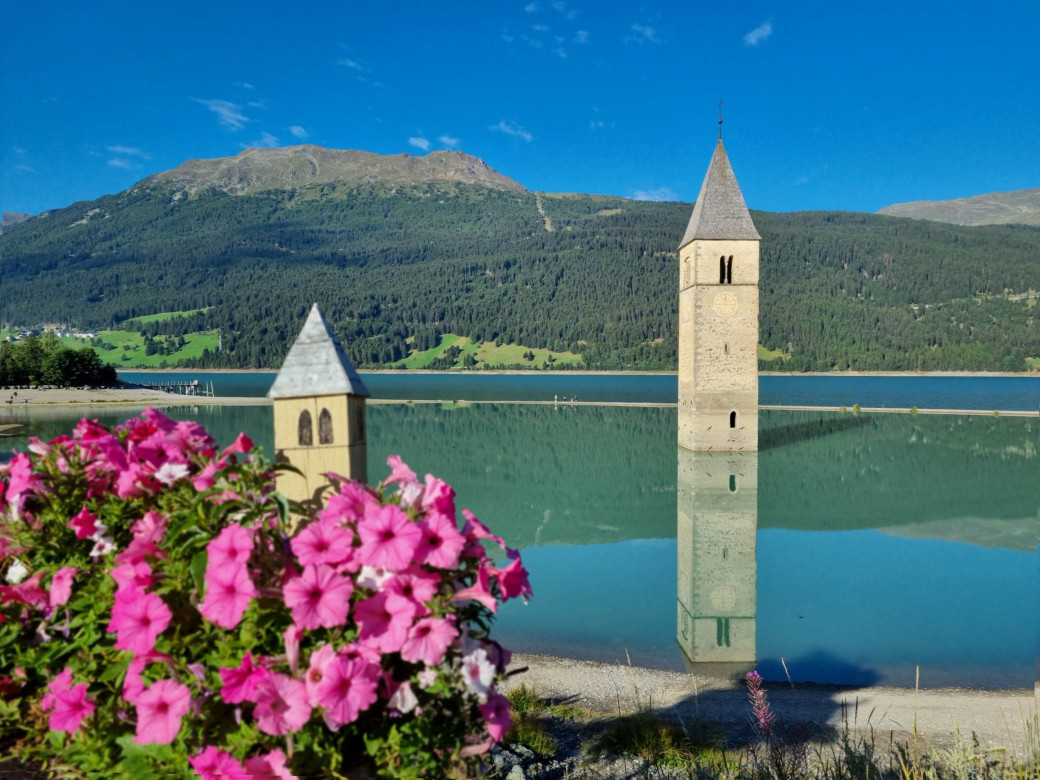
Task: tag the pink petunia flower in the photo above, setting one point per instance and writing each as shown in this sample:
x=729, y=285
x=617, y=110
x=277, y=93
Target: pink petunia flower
x=323, y=542
x=241, y=682
x=241, y=444
x=384, y=620
x=415, y=584
x=71, y=706
x=319, y=662
x=84, y=524
x=388, y=537
x=137, y=620
x=441, y=541
x=159, y=712
x=291, y=637
x=479, y=590
x=399, y=472
x=20, y=479
x=132, y=576
x=348, y=688
x=61, y=585
x=428, y=640
x=230, y=548
x=318, y=597
x=474, y=529
x=229, y=592
x=282, y=705
x=496, y=715
x=438, y=496
x=62, y=682
x=512, y=578
x=133, y=684
x=214, y=764
x=271, y=766
x=205, y=479
x=349, y=504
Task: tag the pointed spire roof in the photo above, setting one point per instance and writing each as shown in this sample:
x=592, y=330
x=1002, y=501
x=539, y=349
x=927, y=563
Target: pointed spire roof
x=720, y=212
x=316, y=365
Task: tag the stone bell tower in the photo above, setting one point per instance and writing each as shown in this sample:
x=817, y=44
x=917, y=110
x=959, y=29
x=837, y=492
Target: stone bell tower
x=718, y=318
x=319, y=412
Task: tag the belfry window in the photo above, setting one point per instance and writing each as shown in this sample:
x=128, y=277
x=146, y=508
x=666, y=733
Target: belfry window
x=325, y=427
x=729, y=270
x=732, y=484
x=722, y=270
x=305, y=429
x=732, y=419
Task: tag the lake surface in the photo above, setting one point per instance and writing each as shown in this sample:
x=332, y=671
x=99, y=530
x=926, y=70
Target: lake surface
x=855, y=548
x=1005, y=393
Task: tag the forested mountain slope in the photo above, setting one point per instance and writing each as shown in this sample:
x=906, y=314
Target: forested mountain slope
x=397, y=262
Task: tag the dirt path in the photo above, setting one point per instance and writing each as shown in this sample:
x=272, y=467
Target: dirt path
x=548, y=222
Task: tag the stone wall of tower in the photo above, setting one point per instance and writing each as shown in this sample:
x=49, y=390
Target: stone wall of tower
x=344, y=453
x=718, y=345
x=717, y=570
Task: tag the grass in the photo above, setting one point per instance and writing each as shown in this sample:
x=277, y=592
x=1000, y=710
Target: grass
x=771, y=354
x=131, y=345
x=487, y=354
x=169, y=315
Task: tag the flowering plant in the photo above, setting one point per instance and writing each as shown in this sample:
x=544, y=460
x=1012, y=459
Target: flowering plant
x=166, y=611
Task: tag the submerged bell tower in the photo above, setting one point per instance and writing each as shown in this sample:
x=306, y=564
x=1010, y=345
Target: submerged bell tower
x=718, y=318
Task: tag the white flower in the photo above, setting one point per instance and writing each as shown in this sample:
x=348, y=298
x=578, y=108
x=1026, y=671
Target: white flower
x=411, y=495
x=373, y=578
x=102, y=546
x=478, y=672
x=403, y=700
x=427, y=677
x=169, y=473
x=16, y=572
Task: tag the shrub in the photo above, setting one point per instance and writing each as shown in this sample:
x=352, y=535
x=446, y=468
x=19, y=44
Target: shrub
x=168, y=613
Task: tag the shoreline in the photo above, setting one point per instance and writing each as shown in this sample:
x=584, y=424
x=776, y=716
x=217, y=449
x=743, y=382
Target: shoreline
x=116, y=396
x=997, y=717
x=569, y=372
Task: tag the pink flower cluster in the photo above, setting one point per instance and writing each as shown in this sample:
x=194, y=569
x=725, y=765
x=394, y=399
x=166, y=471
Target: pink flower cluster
x=376, y=602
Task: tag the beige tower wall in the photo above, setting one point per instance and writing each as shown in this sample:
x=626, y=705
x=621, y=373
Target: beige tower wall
x=718, y=347
x=717, y=568
x=345, y=455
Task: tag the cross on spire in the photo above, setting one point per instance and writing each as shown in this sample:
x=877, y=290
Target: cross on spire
x=720, y=119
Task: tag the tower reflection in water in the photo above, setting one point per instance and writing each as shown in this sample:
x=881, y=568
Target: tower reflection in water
x=717, y=526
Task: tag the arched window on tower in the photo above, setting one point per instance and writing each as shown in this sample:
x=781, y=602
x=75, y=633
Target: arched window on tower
x=732, y=419
x=722, y=270
x=305, y=429
x=325, y=427
x=729, y=270
x=732, y=484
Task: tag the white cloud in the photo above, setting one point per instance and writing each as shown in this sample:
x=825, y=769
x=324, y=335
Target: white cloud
x=228, y=114
x=759, y=34
x=420, y=143
x=643, y=33
x=118, y=162
x=24, y=168
x=298, y=131
x=128, y=151
x=560, y=52
x=242, y=84
x=596, y=124
x=513, y=129
x=531, y=8
x=18, y=150
x=450, y=141
x=661, y=193
x=357, y=65
x=540, y=27
x=582, y=36
x=265, y=141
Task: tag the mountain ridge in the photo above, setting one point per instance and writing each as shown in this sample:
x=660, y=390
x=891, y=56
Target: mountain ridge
x=255, y=170
x=1014, y=207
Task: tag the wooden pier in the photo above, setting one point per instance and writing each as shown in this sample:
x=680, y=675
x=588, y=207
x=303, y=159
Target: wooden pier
x=193, y=388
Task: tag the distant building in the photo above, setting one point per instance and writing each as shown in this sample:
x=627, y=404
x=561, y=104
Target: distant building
x=718, y=318
x=319, y=413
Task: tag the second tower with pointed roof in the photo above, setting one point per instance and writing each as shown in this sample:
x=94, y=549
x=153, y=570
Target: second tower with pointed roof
x=718, y=318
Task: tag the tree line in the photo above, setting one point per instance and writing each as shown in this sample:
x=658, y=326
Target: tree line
x=43, y=360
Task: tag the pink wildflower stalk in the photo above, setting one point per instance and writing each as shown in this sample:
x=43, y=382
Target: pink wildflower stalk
x=762, y=715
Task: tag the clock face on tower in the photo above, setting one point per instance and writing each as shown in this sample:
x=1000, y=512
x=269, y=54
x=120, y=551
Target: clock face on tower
x=725, y=304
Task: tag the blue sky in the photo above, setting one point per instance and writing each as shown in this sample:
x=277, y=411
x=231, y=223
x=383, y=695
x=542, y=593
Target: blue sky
x=827, y=105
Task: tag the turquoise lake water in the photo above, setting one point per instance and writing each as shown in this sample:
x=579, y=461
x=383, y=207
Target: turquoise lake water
x=1008, y=393
x=855, y=548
